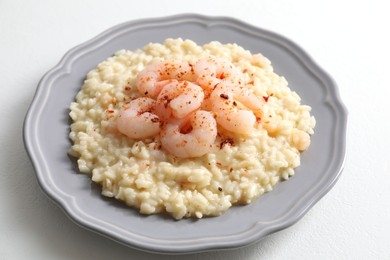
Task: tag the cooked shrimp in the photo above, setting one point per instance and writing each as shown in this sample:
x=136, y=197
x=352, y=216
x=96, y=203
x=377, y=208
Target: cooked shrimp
x=213, y=71
x=218, y=68
x=136, y=121
x=178, y=99
x=147, y=80
x=208, y=83
x=199, y=141
x=229, y=115
x=300, y=139
x=248, y=99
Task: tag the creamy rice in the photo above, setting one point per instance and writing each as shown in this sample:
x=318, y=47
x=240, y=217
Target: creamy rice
x=237, y=170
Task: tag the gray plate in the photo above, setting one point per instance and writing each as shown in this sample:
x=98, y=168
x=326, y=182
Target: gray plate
x=46, y=132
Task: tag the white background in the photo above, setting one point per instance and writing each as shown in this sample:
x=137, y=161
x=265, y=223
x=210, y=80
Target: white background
x=348, y=39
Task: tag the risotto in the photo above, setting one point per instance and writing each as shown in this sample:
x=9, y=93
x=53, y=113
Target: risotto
x=190, y=144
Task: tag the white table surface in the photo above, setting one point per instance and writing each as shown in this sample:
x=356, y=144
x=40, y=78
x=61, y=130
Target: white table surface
x=348, y=39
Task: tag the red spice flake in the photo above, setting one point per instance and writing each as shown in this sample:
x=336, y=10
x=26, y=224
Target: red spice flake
x=185, y=129
x=226, y=142
x=155, y=119
x=110, y=111
x=251, y=82
x=222, y=76
x=127, y=88
x=166, y=100
x=139, y=113
x=146, y=92
x=258, y=119
x=266, y=98
x=192, y=67
x=234, y=103
x=244, y=70
x=219, y=188
x=219, y=164
x=231, y=169
x=224, y=96
x=271, y=94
